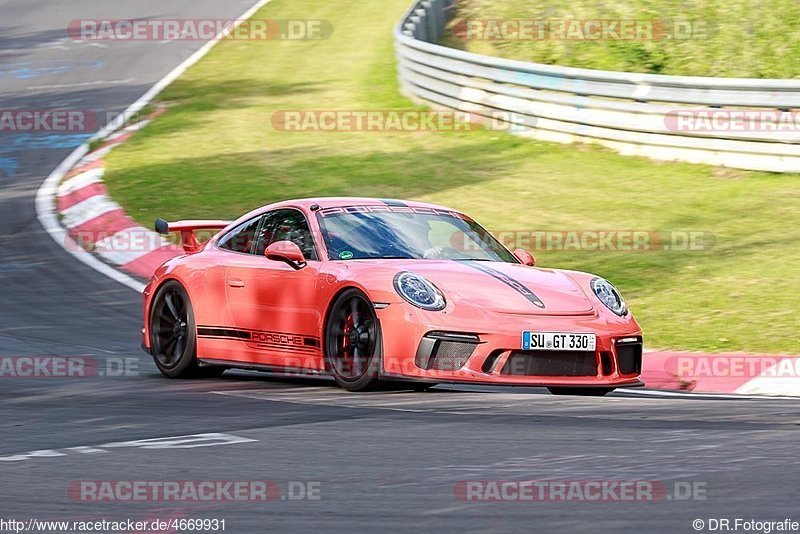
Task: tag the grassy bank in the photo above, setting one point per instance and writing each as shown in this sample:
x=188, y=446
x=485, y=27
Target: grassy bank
x=734, y=38
x=215, y=153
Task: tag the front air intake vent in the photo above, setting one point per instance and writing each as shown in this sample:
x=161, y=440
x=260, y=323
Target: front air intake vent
x=629, y=357
x=445, y=351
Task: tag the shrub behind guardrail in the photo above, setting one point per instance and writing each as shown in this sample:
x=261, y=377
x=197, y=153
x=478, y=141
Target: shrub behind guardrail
x=743, y=123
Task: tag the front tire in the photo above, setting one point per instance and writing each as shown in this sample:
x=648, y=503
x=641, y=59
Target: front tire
x=582, y=392
x=353, y=341
x=173, y=335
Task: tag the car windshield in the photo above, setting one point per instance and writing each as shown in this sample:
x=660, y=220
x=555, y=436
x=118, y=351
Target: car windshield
x=366, y=232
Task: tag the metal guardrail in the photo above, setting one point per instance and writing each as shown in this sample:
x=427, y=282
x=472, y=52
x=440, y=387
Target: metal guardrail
x=635, y=114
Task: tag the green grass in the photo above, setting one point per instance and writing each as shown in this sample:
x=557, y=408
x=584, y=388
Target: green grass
x=734, y=38
x=215, y=154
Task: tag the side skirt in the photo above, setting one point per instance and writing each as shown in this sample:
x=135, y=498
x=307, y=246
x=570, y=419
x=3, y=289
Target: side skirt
x=275, y=369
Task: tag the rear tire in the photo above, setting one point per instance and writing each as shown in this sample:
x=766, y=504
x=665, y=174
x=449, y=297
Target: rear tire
x=173, y=335
x=582, y=392
x=352, y=342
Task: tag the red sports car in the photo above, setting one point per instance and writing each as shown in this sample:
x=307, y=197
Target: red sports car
x=372, y=291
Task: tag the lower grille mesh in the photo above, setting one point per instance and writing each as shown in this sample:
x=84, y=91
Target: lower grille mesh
x=550, y=363
x=450, y=355
x=445, y=351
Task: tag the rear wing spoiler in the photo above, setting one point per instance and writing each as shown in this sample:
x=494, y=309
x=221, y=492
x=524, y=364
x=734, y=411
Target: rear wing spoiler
x=187, y=230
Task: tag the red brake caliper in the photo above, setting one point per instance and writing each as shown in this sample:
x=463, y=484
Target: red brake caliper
x=346, y=340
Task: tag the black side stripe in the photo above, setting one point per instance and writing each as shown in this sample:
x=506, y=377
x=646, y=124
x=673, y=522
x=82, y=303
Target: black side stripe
x=507, y=280
x=223, y=332
x=309, y=343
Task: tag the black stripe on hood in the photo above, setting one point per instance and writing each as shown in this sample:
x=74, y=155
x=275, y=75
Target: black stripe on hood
x=507, y=280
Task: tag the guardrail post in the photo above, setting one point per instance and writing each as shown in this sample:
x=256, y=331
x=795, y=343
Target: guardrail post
x=436, y=18
x=421, y=24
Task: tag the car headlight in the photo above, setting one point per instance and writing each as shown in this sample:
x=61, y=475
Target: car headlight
x=609, y=296
x=419, y=292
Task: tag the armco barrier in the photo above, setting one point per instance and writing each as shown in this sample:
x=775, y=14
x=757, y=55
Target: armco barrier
x=635, y=114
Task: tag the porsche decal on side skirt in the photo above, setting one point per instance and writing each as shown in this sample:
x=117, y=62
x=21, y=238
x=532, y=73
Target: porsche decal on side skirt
x=261, y=338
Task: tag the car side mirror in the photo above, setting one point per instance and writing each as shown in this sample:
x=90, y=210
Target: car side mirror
x=525, y=257
x=287, y=252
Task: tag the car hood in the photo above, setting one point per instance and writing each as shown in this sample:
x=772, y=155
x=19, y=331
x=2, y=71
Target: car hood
x=503, y=287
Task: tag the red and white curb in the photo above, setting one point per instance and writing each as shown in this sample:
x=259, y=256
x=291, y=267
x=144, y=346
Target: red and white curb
x=47, y=210
x=724, y=373
x=97, y=223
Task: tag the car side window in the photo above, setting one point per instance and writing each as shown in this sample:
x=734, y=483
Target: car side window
x=241, y=238
x=287, y=225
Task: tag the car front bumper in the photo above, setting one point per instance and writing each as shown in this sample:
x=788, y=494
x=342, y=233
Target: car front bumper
x=486, y=348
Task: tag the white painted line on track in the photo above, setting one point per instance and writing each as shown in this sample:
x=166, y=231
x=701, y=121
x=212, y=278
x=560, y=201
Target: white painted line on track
x=80, y=84
x=46, y=195
x=459, y=402
x=191, y=441
x=46, y=213
x=704, y=396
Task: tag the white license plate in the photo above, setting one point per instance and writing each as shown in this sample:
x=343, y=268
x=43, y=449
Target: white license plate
x=558, y=341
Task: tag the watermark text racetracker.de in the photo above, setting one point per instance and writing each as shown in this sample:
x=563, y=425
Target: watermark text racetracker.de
x=199, y=29
x=395, y=120
x=194, y=491
x=48, y=121
x=732, y=120
x=733, y=366
x=54, y=121
x=579, y=491
x=570, y=29
x=67, y=367
x=599, y=240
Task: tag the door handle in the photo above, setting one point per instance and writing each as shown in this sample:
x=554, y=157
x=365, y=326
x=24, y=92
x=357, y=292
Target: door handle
x=235, y=282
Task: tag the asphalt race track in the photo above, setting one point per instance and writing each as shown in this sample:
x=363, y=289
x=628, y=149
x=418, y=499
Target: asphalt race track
x=392, y=461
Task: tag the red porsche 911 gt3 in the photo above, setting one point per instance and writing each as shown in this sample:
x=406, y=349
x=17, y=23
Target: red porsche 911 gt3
x=370, y=291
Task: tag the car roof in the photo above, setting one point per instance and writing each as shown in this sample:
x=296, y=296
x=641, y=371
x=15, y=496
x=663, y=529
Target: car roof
x=336, y=202
x=340, y=202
